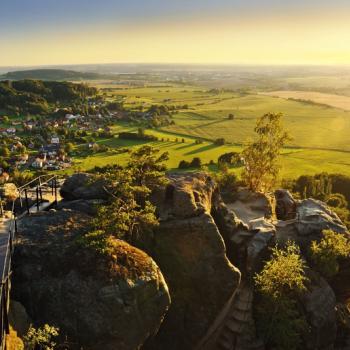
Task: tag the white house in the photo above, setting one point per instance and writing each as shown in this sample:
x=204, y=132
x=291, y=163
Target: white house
x=55, y=140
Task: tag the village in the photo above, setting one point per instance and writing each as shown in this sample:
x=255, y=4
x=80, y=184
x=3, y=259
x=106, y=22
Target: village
x=49, y=144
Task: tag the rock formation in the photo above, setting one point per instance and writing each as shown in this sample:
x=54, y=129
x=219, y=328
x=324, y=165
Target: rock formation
x=208, y=252
x=99, y=303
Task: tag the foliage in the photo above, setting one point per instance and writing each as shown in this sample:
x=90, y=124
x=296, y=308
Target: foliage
x=279, y=320
x=13, y=341
x=326, y=253
x=129, y=214
x=220, y=141
x=35, y=96
x=41, y=338
x=260, y=157
x=282, y=274
x=230, y=158
x=336, y=200
x=228, y=183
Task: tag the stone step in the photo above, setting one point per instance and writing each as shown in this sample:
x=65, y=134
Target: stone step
x=235, y=326
x=242, y=305
x=241, y=316
x=226, y=342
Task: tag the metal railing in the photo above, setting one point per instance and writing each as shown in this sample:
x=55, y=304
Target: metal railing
x=36, y=186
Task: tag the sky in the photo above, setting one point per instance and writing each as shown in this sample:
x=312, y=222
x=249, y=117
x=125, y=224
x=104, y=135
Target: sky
x=51, y=32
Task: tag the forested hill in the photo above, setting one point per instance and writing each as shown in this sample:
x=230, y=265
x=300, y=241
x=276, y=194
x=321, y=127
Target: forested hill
x=51, y=74
x=37, y=97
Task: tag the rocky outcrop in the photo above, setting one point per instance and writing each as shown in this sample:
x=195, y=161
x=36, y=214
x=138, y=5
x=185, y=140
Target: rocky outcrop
x=285, y=205
x=319, y=303
x=97, y=301
x=191, y=254
x=83, y=186
x=314, y=216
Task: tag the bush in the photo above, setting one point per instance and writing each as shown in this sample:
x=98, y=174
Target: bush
x=326, y=253
x=41, y=338
x=278, y=317
x=184, y=164
x=336, y=200
x=196, y=163
x=219, y=141
x=228, y=184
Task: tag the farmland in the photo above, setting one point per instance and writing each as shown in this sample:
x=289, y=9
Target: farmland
x=319, y=133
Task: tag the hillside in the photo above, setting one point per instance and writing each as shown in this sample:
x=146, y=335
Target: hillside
x=52, y=74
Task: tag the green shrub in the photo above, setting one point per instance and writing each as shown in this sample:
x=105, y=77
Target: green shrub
x=326, y=253
x=41, y=338
x=279, y=319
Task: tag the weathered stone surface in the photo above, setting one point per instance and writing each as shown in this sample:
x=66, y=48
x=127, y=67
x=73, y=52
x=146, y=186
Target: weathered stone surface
x=191, y=254
x=285, y=205
x=18, y=318
x=319, y=303
x=85, y=206
x=314, y=216
x=82, y=186
x=186, y=196
x=250, y=205
x=99, y=302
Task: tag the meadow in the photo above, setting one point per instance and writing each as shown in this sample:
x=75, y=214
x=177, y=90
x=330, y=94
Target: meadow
x=320, y=133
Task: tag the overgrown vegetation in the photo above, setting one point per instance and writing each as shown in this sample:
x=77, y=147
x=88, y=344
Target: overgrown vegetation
x=326, y=253
x=35, y=96
x=129, y=213
x=41, y=338
x=279, y=319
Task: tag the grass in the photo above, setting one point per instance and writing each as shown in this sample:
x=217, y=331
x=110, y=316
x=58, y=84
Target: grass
x=320, y=134
x=294, y=161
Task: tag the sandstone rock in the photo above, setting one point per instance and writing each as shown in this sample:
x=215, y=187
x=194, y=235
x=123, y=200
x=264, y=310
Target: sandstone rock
x=314, y=216
x=18, y=318
x=85, y=206
x=285, y=205
x=99, y=302
x=250, y=205
x=82, y=186
x=319, y=303
x=190, y=251
x=186, y=196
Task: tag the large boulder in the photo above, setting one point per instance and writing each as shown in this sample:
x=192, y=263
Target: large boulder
x=191, y=253
x=314, y=216
x=83, y=186
x=113, y=301
x=319, y=305
x=285, y=205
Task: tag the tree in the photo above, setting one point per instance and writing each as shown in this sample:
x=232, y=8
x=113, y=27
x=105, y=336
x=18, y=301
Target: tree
x=231, y=116
x=261, y=156
x=196, y=162
x=278, y=317
x=69, y=147
x=147, y=167
x=220, y=141
x=129, y=214
x=326, y=253
x=4, y=152
x=184, y=164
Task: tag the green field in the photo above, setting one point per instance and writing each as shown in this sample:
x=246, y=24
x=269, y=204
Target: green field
x=320, y=134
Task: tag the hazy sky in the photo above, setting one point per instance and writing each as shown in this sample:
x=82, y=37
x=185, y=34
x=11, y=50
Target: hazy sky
x=38, y=32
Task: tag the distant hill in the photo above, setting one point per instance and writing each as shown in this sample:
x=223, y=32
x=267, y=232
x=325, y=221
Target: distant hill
x=52, y=74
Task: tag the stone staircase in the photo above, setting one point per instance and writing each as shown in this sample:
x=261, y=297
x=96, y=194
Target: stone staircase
x=238, y=332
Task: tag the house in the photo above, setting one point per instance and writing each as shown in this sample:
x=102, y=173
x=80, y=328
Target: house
x=11, y=130
x=55, y=140
x=38, y=163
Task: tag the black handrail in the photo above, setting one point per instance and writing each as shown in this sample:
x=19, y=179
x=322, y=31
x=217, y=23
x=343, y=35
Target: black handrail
x=12, y=231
